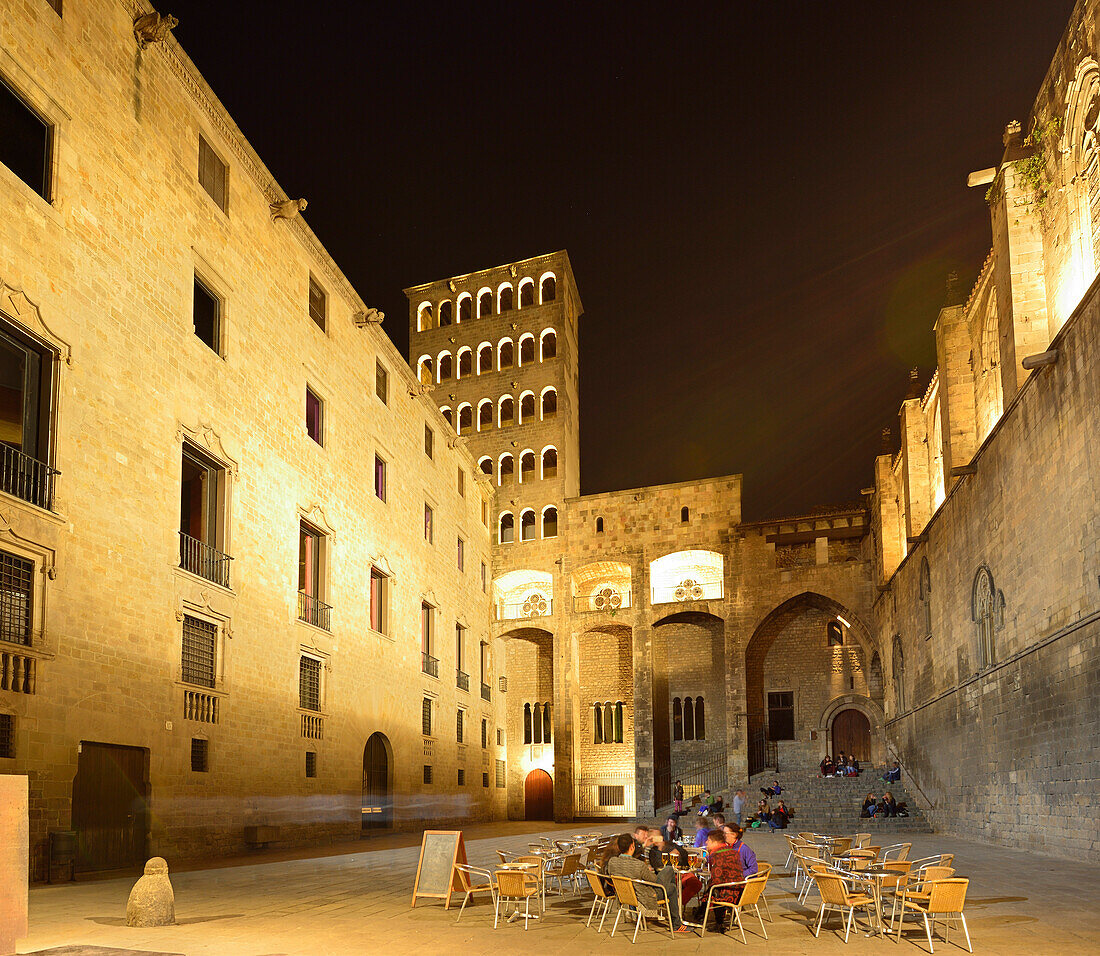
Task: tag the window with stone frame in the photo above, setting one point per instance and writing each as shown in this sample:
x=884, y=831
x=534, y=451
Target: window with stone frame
x=206, y=315
x=311, y=763
x=200, y=755
x=26, y=147
x=318, y=304
x=925, y=595
x=213, y=175
x=381, y=382
x=781, y=715
x=985, y=611
x=309, y=683
x=16, y=597
x=200, y=650
x=500, y=774
x=898, y=665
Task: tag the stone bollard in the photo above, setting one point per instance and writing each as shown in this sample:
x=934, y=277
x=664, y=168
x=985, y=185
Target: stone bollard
x=152, y=902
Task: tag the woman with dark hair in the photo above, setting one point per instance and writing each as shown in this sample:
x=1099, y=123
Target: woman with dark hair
x=827, y=766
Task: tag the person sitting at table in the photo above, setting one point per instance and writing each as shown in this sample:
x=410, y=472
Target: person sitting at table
x=893, y=775
x=717, y=821
x=671, y=831
x=780, y=817
x=870, y=806
x=702, y=828
x=734, y=836
x=658, y=846
x=725, y=867
x=629, y=865
x=889, y=806
x=828, y=768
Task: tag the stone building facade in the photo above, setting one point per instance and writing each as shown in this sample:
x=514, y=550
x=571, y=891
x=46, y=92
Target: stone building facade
x=211, y=597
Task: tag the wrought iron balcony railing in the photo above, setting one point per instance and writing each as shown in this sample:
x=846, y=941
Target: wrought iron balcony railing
x=428, y=664
x=26, y=477
x=688, y=591
x=608, y=600
x=314, y=611
x=200, y=558
x=462, y=680
x=535, y=606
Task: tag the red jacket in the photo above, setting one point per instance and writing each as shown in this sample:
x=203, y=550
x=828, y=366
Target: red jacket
x=725, y=867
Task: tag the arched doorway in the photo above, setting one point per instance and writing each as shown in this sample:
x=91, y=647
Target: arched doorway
x=377, y=790
x=538, y=796
x=852, y=734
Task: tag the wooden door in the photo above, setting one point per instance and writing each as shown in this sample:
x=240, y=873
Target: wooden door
x=852, y=734
x=377, y=798
x=538, y=796
x=110, y=806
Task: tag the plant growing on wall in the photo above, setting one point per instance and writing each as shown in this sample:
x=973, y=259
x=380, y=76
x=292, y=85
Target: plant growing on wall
x=1031, y=171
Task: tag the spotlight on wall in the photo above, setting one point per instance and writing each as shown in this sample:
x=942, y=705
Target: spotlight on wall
x=842, y=621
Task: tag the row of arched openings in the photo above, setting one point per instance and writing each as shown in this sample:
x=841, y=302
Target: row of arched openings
x=607, y=722
x=536, y=723
x=462, y=309
x=502, y=413
x=527, y=525
x=461, y=364
x=688, y=719
x=531, y=466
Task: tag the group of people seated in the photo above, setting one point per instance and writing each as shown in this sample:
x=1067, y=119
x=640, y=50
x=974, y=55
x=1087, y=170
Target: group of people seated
x=886, y=807
x=641, y=856
x=842, y=766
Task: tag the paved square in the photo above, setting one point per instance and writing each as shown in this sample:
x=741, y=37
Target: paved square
x=357, y=901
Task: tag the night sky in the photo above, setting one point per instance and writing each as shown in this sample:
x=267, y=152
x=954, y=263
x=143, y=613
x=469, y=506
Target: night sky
x=761, y=201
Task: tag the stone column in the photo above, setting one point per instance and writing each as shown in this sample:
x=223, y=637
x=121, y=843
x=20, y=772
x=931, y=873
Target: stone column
x=642, y=645
x=565, y=717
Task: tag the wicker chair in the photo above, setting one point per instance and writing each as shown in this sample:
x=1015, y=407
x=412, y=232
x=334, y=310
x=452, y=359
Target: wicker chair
x=475, y=879
x=915, y=888
x=626, y=890
x=793, y=842
x=752, y=893
x=895, y=852
x=835, y=896
x=601, y=900
x=565, y=870
x=946, y=899
x=516, y=886
x=861, y=838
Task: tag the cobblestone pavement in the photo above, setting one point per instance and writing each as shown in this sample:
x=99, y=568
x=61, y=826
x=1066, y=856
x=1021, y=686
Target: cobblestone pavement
x=356, y=900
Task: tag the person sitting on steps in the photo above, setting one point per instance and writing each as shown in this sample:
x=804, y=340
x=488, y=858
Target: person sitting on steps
x=893, y=775
x=870, y=806
x=889, y=806
x=780, y=817
x=773, y=791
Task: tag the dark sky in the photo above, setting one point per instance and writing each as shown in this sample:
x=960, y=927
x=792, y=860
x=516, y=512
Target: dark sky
x=761, y=201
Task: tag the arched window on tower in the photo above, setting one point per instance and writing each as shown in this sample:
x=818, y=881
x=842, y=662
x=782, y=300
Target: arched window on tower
x=504, y=297
x=485, y=414
x=526, y=407
x=527, y=525
x=507, y=412
x=548, y=289
x=484, y=303
x=677, y=719
x=597, y=724
x=465, y=418
x=834, y=634
x=526, y=349
x=425, y=370
x=484, y=358
x=689, y=719
x=536, y=724
x=619, y=722
x=608, y=722
x=507, y=468
x=684, y=515
x=506, y=354
x=546, y=723
x=549, y=522
x=465, y=307
x=549, y=344
x=549, y=402
x=549, y=462
x=486, y=465
x=700, y=725
x=527, y=730
x=465, y=362
x=446, y=366
x=526, y=293
x=507, y=528
x=449, y=415
x=599, y=526
x=446, y=313
x=899, y=677
x=425, y=318
x=926, y=596
x=527, y=466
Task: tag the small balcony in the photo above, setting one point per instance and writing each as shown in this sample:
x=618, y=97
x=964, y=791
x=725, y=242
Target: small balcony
x=462, y=680
x=608, y=600
x=535, y=606
x=200, y=558
x=485, y=695
x=429, y=665
x=26, y=477
x=314, y=611
x=688, y=590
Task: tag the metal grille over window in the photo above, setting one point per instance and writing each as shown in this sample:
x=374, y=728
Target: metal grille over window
x=16, y=581
x=426, y=717
x=7, y=736
x=200, y=755
x=500, y=774
x=199, y=651
x=309, y=683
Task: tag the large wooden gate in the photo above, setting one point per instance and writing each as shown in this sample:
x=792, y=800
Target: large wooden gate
x=110, y=806
x=852, y=734
x=377, y=795
x=538, y=796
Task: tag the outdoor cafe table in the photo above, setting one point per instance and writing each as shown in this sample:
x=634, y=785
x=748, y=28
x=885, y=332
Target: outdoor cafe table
x=536, y=871
x=873, y=875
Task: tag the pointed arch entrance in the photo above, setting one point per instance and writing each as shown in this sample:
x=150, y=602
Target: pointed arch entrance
x=377, y=783
x=538, y=796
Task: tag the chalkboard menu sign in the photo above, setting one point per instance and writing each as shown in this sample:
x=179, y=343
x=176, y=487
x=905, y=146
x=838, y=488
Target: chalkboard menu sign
x=436, y=876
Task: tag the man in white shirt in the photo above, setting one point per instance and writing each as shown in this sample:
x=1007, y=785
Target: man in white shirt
x=738, y=805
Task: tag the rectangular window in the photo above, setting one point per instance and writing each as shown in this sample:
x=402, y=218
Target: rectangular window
x=16, y=592
x=378, y=588
x=484, y=732
x=460, y=727
x=500, y=774
x=484, y=578
x=485, y=512
x=202, y=506
x=200, y=643
x=460, y=647
x=7, y=736
x=429, y=441
x=461, y=555
x=311, y=763
x=610, y=796
x=461, y=777
x=213, y=175
x=207, y=315
x=485, y=779
x=427, y=629
x=318, y=304
x=426, y=717
x=781, y=715
x=382, y=382
x=427, y=773
x=315, y=416
x=200, y=755
x=500, y=737
x=379, y=478
x=26, y=389
x=25, y=146
x=428, y=515
x=309, y=683
x=461, y=483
